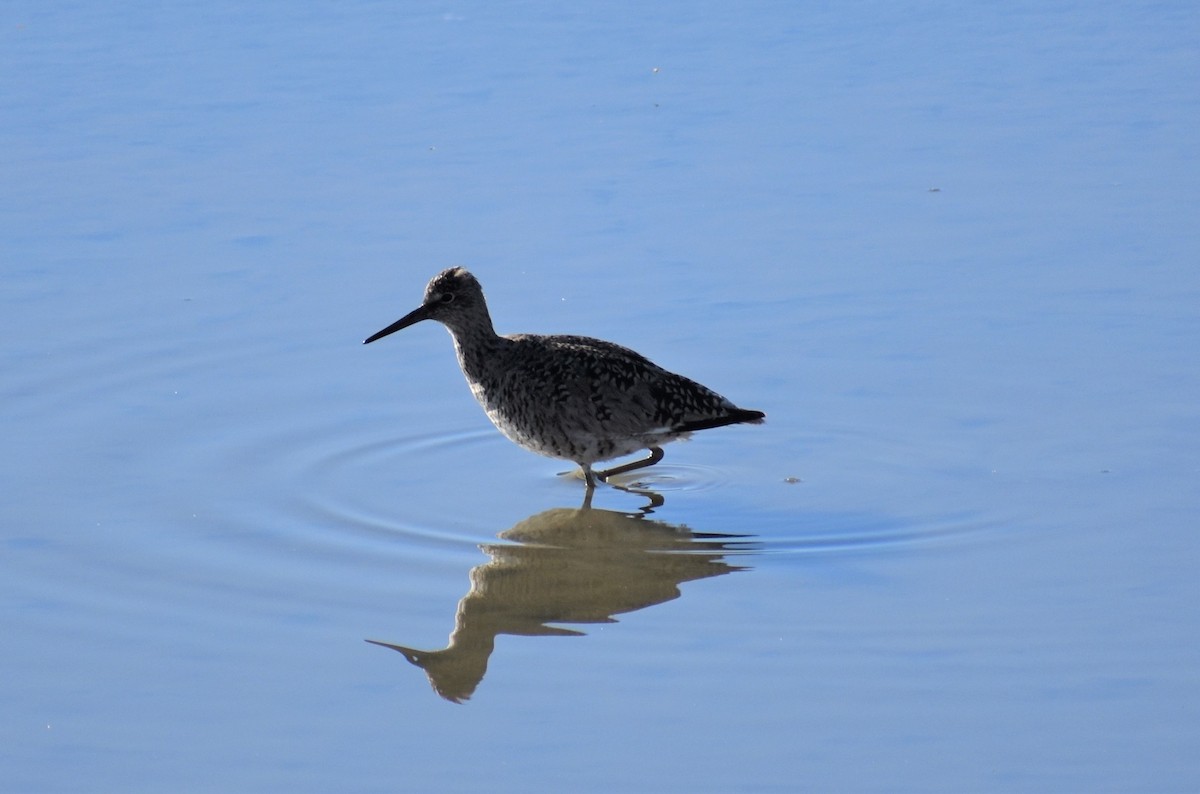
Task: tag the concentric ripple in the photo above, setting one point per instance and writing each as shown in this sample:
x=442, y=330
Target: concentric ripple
x=672, y=477
x=368, y=484
x=412, y=493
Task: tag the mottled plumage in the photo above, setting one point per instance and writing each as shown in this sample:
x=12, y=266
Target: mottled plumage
x=570, y=397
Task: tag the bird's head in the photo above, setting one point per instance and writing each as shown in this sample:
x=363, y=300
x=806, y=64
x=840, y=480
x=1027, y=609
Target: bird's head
x=452, y=297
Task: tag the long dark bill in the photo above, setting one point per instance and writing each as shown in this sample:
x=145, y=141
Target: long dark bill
x=413, y=317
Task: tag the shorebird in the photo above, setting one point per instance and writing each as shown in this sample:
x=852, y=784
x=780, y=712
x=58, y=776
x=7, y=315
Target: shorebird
x=568, y=397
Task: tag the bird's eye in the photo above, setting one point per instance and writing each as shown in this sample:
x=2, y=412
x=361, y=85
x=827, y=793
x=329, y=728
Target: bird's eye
x=448, y=297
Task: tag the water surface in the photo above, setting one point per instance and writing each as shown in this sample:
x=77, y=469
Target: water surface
x=951, y=254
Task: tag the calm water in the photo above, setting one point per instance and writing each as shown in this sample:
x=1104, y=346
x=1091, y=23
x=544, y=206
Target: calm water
x=952, y=254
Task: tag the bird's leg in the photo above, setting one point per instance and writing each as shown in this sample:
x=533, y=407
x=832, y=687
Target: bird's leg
x=589, y=477
x=656, y=454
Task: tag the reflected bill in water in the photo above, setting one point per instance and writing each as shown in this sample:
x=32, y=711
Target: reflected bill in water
x=568, y=566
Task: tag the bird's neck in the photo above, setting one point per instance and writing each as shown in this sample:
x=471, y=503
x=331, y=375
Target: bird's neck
x=475, y=345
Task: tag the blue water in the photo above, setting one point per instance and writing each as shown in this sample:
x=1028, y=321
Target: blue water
x=952, y=253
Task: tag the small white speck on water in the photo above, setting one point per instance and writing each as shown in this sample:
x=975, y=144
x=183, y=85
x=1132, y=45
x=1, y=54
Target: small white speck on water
x=792, y=480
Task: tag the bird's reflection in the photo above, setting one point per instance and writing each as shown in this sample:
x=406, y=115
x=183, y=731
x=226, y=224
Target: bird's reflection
x=567, y=566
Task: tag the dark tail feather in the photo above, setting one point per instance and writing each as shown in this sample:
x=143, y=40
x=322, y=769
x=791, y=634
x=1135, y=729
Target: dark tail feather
x=734, y=417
